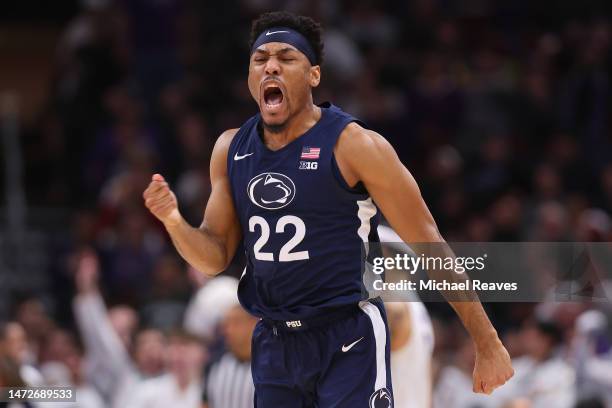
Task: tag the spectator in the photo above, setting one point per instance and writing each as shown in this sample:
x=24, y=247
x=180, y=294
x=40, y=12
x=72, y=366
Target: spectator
x=10, y=377
x=181, y=387
x=411, y=353
x=33, y=317
x=14, y=345
x=542, y=376
x=228, y=380
x=107, y=338
x=148, y=360
x=454, y=385
x=593, y=367
x=412, y=338
x=65, y=368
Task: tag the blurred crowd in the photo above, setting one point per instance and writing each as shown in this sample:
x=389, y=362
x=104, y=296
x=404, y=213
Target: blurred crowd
x=501, y=110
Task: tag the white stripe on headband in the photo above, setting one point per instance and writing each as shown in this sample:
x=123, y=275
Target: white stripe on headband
x=289, y=36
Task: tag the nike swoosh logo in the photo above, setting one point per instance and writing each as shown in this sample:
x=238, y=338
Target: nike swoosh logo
x=238, y=157
x=275, y=32
x=350, y=346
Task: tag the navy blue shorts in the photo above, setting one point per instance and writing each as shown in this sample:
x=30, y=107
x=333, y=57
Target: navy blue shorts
x=341, y=364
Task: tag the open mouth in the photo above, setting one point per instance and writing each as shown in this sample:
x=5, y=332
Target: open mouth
x=273, y=96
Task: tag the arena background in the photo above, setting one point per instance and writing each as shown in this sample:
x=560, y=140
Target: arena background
x=501, y=110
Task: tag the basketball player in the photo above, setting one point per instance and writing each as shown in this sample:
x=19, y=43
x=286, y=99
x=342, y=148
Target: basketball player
x=297, y=183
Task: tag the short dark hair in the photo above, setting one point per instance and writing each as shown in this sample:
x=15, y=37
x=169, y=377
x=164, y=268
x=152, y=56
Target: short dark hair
x=310, y=29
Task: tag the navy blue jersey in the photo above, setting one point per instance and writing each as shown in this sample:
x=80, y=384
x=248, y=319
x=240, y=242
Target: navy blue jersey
x=303, y=226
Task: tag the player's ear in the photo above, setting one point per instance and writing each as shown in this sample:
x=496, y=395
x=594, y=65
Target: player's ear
x=315, y=75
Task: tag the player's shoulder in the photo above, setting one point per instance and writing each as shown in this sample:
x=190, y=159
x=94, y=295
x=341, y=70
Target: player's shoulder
x=225, y=138
x=224, y=141
x=221, y=150
x=355, y=141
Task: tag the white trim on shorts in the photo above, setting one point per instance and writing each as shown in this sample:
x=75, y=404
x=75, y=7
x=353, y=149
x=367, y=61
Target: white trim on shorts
x=380, y=335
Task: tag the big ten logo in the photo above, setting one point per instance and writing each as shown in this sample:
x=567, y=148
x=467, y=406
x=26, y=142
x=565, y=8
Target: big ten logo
x=308, y=165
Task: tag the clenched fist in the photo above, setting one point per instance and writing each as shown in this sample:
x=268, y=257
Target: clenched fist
x=161, y=201
x=493, y=367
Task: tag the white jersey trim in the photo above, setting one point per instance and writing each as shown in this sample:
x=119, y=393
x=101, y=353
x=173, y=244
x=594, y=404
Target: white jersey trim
x=366, y=211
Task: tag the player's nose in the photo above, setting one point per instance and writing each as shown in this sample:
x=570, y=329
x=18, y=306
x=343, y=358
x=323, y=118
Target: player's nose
x=272, y=67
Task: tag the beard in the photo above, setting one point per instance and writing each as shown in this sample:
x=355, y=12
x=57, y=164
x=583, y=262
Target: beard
x=276, y=128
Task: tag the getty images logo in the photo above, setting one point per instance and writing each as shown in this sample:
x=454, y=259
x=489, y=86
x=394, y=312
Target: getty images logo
x=271, y=190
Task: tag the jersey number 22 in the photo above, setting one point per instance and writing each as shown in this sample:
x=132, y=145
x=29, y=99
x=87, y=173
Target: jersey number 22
x=285, y=254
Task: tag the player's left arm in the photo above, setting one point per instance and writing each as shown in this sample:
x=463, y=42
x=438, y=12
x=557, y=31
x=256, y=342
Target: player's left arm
x=365, y=156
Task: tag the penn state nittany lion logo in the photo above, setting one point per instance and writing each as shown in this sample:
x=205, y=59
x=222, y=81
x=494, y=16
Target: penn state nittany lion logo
x=381, y=399
x=271, y=190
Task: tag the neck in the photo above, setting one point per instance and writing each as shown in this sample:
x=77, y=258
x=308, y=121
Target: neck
x=295, y=127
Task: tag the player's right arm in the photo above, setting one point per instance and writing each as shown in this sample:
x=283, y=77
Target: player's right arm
x=210, y=247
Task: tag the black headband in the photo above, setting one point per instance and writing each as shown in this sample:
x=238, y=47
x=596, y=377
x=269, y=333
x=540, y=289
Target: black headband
x=289, y=36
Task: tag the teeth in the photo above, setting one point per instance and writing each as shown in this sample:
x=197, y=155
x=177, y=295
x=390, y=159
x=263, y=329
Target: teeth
x=267, y=93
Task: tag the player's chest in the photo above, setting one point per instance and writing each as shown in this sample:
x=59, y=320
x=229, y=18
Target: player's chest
x=290, y=181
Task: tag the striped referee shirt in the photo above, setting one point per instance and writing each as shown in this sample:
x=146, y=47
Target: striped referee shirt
x=229, y=383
